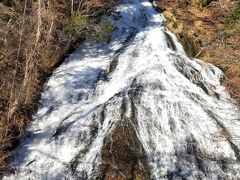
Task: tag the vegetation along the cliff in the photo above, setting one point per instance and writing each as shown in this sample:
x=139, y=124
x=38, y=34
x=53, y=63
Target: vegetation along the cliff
x=35, y=36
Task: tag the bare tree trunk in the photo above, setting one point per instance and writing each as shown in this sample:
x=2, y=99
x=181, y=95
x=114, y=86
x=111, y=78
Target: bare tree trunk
x=13, y=105
x=71, y=7
x=39, y=21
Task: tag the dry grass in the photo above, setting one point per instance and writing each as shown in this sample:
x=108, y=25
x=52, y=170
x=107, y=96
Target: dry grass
x=33, y=42
x=227, y=57
x=232, y=72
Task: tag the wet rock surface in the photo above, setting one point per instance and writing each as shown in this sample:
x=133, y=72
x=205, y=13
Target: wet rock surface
x=123, y=157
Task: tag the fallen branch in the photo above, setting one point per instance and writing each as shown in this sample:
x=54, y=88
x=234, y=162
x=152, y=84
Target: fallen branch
x=199, y=53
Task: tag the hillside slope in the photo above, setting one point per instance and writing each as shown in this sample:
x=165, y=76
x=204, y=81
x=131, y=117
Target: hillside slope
x=35, y=37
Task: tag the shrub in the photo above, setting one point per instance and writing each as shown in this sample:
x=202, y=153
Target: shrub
x=77, y=23
x=103, y=31
x=233, y=16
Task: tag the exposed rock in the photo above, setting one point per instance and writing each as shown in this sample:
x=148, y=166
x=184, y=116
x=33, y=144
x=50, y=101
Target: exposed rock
x=188, y=45
x=170, y=42
x=113, y=64
x=123, y=157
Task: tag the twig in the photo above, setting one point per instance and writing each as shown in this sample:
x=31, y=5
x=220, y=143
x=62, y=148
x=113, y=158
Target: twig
x=199, y=53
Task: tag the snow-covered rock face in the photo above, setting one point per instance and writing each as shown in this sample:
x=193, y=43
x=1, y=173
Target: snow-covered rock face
x=181, y=115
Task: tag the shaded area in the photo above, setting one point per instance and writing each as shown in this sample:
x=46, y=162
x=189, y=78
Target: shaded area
x=123, y=157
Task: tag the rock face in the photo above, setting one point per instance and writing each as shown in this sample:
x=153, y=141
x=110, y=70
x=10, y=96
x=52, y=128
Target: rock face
x=123, y=156
x=137, y=108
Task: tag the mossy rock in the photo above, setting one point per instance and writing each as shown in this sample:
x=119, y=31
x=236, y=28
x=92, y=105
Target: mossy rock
x=188, y=45
x=170, y=42
x=113, y=64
